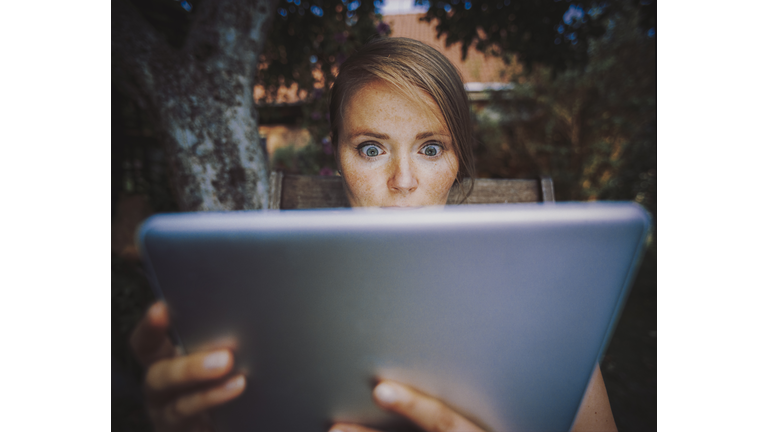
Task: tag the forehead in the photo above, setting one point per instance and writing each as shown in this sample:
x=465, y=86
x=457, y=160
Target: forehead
x=380, y=104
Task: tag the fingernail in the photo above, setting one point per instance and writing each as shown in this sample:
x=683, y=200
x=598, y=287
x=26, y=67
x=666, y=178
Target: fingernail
x=235, y=383
x=385, y=394
x=216, y=360
x=156, y=310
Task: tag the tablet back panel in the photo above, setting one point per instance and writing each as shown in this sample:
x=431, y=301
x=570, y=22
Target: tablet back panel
x=502, y=311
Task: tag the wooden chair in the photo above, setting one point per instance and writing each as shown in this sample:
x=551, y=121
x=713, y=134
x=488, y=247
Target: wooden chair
x=287, y=191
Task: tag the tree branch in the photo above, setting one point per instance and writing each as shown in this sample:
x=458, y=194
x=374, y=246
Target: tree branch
x=201, y=99
x=227, y=35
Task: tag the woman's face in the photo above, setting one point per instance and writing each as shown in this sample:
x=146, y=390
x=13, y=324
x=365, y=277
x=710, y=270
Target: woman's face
x=392, y=153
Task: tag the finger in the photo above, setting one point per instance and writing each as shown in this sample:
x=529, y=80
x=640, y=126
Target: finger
x=149, y=339
x=180, y=372
x=194, y=404
x=427, y=412
x=345, y=427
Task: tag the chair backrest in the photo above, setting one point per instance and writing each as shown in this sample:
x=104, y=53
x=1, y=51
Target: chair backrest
x=301, y=191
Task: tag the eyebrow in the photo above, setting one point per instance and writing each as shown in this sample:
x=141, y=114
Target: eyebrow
x=420, y=136
x=371, y=134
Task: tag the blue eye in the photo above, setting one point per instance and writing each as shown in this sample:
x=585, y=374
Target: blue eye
x=431, y=150
x=370, y=150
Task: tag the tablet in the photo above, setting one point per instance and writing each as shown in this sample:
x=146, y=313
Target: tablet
x=502, y=311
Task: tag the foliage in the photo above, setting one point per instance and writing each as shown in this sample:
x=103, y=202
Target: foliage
x=138, y=159
x=169, y=17
x=593, y=129
x=308, y=41
x=131, y=296
x=309, y=159
x=553, y=33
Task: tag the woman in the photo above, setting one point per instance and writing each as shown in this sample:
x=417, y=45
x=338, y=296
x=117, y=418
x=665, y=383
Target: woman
x=400, y=129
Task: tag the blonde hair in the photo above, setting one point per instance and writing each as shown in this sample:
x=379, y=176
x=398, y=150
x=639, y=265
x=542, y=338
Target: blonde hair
x=412, y=68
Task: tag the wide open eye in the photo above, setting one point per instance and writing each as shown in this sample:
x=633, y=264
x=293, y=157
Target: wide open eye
x=370, y=150
x=431, y=150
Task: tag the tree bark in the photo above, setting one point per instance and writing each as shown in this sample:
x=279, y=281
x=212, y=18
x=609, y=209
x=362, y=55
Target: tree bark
x=201, y=98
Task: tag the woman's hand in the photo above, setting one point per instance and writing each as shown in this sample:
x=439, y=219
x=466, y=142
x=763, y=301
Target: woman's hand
x=179, y=389
x=433, y=415
x=425, y=411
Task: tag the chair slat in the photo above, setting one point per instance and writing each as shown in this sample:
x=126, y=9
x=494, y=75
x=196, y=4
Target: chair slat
x=497, y=191
x=301, y=192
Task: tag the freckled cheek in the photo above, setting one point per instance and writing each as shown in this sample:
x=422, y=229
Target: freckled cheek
x=356, y=181
x=442, y=185
x=362, y=184
x=443, y=178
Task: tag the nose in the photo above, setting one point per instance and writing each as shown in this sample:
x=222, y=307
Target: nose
x=402, y=178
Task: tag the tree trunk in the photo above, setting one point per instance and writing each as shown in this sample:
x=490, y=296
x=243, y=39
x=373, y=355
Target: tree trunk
x=201, y=98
